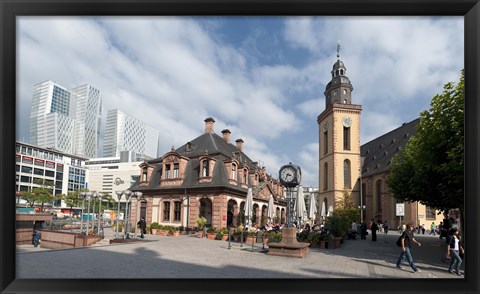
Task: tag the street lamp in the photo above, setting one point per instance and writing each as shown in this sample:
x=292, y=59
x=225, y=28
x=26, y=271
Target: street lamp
x=100, y=195
x=119, y=197
x=137, y=196
x=127, y=194
x=89, y=197
x=362, y=207
x=94, y=196
x=82, y=196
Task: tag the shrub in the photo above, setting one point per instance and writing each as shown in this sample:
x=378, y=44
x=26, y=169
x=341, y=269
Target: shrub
x=223, y=231
x=338, y=225
x=201, y=221
x=211, y=230
x=154, y=225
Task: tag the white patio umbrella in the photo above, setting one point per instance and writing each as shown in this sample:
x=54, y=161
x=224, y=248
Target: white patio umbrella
x=323, y=212
x=300, y=205
x=312, y=208
x=248, y=207
x=270, y=209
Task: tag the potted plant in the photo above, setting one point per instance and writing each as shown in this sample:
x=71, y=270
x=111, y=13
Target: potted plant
x=338, y=227
x=154, y=227
x=251, y=236
x=274, y=237
x=173, y=231
x=224, y=234
x=163, y=230
x=147, y=228
x=266, y=237
x=211, y=233
x=237, y=233
x=201, y=221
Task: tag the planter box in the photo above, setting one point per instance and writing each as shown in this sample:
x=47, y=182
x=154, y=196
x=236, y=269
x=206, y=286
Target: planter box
x=154, y=231
x=225, y=237
x=211, y=236
x=174, y=234
x=200, y=234
x=162, y=233
x=250, y=239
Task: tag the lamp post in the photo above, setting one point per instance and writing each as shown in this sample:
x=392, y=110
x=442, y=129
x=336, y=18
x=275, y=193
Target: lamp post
x=362, y=207
x=137, y=196
x=94, y=196
x=100, y=195
x=82, y=196
x=127, y=194
x=89, y=197
x=119, y=197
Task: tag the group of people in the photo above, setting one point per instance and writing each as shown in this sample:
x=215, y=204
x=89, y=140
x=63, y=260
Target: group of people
x=455, y=250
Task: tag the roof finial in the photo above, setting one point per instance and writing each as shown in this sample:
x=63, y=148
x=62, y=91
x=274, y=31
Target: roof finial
x=338, y=48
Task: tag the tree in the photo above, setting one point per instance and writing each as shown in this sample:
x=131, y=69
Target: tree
x=42, y=195
x=346, y=208
x=430, y=168
x=29, y=197
x=72, y=199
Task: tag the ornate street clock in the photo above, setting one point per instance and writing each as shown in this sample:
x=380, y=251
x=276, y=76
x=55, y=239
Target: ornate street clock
x=290, y=175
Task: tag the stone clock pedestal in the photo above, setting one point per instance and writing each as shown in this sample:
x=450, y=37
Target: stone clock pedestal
x=289, y=246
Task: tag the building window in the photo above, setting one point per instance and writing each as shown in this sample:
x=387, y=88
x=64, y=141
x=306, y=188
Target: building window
x=177, y=211
x=167, y=171
x=234, y=171
x=378, y=191
x=175, y=170
x=245, y=172
x=166, y=211
x=430, y=213
x=144, y=175
x=346, y=138
x=325, y=142
x=26, y=169
x=346, y=174
x=38, y=171
x=205, y=168
x=325, y=176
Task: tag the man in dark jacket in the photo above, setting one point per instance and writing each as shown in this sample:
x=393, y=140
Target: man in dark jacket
x=407, y=239
x=142, y=225
x=374, y=228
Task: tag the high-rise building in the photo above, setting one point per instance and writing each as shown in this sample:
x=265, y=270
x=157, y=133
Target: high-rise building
x=68, y=121
x=51, y=121
x=87, y=120
x=126, y=133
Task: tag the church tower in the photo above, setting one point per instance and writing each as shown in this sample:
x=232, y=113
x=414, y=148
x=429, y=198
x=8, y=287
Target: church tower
x=339, y=142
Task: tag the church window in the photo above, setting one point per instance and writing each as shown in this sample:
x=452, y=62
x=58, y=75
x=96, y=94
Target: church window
x=341, y=72
x=346, y=174
x=245, y=176
x=344, y=101
x=325, y=176
x=344, y=92
x=346, y=138
x=378, y=191
x=325, y=142
x=334, y=93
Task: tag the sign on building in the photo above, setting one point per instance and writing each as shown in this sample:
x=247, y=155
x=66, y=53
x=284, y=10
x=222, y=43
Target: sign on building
x=400, y=209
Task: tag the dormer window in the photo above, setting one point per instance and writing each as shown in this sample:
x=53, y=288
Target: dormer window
x=205, y=168
x=245, y=172
x=234, y=171
x=167, y=171
x=144, y=174
x=175, y=170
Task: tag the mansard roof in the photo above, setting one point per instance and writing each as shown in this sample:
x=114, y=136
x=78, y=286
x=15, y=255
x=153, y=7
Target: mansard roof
x=377, y=154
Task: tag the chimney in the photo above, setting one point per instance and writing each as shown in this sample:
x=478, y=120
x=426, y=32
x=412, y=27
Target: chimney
x=209, y=125
x=239, y=144
x=226, y=135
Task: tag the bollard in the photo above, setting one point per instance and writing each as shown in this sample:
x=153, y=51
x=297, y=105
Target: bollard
x=229, y=236
x=253, y=241
x=241, y=239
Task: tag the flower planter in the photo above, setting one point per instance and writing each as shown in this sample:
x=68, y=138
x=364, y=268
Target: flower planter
x=162, y=233
x=174, y=234
x=200, y=234
x=337, y=241
x=211, y=236
x=250, y=239
x=265, y=241
x=225, y=237
x=154, y=231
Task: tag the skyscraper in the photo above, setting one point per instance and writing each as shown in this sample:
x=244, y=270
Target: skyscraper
x=126, y=133
x=68, y=121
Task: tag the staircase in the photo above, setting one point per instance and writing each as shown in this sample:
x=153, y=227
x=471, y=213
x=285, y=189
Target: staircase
x=102, y=242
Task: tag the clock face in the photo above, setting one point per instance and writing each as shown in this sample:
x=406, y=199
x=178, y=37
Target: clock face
x=346, y=121
x=287, y=174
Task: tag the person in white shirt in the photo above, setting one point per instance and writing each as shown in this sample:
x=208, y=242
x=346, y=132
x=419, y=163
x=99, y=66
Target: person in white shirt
x=453, y=250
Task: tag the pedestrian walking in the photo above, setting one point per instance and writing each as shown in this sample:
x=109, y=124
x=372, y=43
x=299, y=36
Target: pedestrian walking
x=432, y=229
x=363, y=231
x=423, y=229
x=407, y=239
x=374, y=229
x=385, y=228
x=36, y=237
x=142, y=225
x=453, y=250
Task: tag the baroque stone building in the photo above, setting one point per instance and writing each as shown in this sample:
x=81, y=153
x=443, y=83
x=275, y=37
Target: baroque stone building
x=208, y=176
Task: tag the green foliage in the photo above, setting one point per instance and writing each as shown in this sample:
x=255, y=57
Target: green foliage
x=302, y=236
x=201, y=221
x=42, y=195
x=211, y=230
x=338, y=224
x=218, y=236
x=172, y=229
x=431, y=167
x=29, y=197
x=223, y=231
x=155, y=225
x=275, y=237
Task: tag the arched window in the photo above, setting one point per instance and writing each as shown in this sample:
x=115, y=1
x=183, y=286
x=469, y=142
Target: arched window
x=325, y=142
x=346, y=138
x=378, y=191
x=205, y=168
x=245, y=173
x=325, y=176
x=346, y=174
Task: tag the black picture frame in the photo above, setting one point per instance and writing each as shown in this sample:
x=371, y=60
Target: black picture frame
x=10, y=9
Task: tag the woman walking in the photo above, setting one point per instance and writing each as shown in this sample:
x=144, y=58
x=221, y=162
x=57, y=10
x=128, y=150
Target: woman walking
x=453, y=250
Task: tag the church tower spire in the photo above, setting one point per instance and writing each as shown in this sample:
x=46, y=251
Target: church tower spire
x=339, y=89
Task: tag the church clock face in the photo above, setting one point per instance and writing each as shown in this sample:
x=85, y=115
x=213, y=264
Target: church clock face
x=346, y=121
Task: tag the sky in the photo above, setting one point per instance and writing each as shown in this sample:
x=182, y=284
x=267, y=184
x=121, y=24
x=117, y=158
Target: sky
x=263, y=78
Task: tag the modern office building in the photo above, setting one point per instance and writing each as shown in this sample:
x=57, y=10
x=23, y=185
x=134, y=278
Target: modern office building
x=126, y=133
x=87, y=116
x=68, y=121
x=60, y=172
